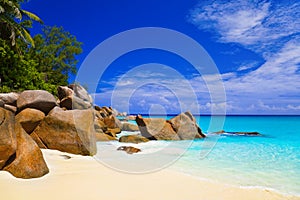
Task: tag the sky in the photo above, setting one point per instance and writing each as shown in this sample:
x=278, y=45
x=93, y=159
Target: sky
x=255, y=47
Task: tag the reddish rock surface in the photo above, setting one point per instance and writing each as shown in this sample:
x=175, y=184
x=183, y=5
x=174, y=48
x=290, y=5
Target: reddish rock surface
x=28, y=161
x=112, y=122
x=156, y=129
x=129, y=127
x=102, y=137
x=38, y=99
x=8, y=144
x=133, y=139
x=181, y=127
x=186, y=126
x=29, y=119
x=70, y=131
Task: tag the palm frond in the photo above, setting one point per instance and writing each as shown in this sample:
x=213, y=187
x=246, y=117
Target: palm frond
x=13, y=37
x=18, y=14
x=32, y=16
x=2, y=10
x=27, y=37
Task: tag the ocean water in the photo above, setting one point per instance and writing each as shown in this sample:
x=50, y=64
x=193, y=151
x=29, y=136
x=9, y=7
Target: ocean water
x=269, y=161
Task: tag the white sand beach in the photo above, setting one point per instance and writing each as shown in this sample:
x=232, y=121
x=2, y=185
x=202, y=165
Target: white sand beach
x=82, y=177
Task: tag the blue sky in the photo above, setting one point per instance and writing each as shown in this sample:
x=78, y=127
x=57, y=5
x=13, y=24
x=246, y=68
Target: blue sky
x=254, y=44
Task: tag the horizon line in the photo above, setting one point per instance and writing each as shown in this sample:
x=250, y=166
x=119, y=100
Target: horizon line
x=143, y=114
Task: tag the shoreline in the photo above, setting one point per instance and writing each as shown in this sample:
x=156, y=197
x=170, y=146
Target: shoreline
x=77, y=177
x=202, y=179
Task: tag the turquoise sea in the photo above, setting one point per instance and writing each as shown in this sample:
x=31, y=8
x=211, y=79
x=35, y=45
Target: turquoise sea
x=270, y=161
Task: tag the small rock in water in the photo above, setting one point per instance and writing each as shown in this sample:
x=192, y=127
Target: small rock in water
x=246, y=133
x=238, y=133
x=128, y=149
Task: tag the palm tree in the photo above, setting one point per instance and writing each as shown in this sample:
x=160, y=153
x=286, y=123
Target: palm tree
x=12, y=24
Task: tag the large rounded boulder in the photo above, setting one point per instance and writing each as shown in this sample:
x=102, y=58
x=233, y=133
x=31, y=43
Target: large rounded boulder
x=186, y=127
x=156, y=129
x=28, y=161
x=29, y=119
x=8, y=144
x=37, y=99
x=129, y=127
x=70, y=131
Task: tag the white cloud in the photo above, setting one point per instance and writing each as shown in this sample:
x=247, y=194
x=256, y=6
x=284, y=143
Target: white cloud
x=254, y=24
x=293, y=107
x=271, y=29
x=228, y=75
x=125, y=83
x=247, y=66
x=268, y=28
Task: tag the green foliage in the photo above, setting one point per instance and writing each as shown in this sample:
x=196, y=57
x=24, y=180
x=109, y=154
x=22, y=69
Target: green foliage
x=42, y=62
x=17, y=72
x=46, y=66
x=56, y=52
x=11, y=21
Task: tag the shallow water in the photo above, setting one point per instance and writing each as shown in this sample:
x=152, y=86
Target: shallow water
x=269, y=161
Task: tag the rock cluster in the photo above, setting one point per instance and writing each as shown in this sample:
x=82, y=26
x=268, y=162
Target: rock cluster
x=107, y=124
x=181, y=127
x=35, y=119
x=70, y=123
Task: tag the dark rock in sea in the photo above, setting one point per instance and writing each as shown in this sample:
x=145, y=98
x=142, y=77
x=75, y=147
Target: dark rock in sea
x=37, y=99
x=129, y=150
x=28, y=161
x=70, y=131
x=156, y=129
x=238, y=133
x=8, y=143
x=186, y=127
x=133, y=139
x=246, y=133
x=129, y=127
x=29, y=119
x=9, y=98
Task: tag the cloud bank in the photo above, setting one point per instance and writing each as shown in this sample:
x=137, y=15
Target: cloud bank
x=271, y=29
